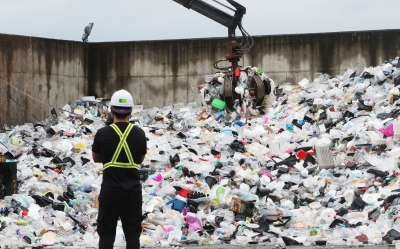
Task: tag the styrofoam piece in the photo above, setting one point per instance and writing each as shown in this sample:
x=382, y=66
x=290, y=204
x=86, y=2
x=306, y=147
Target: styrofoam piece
x=304, y=83
x=250, y=134
x=396, y=130
x=381, y=76
x=208, y=78
x=137, y=108
x=161, y=143
x=371, y=198
x=48, y=145
x=335, y=133
x=274, y=146
x=79, y=111
x=257, y=150
x=88, y=98
x=395, y=152
x=321, y=87
x=335, y=115
x=322, y=128
x=315, y=205
x=318, y=101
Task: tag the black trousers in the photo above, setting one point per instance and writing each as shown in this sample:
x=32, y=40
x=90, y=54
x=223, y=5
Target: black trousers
x=127, y=206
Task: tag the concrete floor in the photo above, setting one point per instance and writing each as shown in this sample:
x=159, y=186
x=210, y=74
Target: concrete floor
x=275, y=247
x=250, y=247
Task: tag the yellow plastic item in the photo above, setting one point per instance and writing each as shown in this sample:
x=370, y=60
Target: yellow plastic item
x=80, y=145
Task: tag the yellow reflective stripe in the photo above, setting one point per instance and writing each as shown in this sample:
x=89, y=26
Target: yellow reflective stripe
x=122, y=144
x=122, y=167
x=117, y=130
x=129, y=155
x=130, y=158
x=126, y=147
x=120, y=163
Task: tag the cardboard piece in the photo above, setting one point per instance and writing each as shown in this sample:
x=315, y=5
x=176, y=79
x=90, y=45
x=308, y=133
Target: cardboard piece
x=241, y=207
x=96, y=201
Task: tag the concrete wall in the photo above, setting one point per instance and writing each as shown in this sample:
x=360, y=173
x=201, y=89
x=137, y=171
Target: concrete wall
x=51, y=71
x=160, y=73
x=290, y=58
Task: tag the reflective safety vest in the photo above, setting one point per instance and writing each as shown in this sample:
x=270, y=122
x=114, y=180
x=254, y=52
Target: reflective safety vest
x=122, y=145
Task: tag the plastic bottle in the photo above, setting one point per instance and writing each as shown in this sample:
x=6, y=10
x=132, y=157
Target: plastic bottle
x=244, y=195
x=326, y=200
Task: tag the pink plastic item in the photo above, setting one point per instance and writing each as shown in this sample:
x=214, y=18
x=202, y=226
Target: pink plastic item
x=193, y=222
x=185, y=210
x=167, y=229
x=387, y=131
x=268, y=174
x=288, y=151
x=158, y=178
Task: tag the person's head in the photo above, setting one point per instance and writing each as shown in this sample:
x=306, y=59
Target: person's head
x=121, y=104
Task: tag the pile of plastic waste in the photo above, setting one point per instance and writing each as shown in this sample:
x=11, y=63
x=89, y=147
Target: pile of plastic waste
x=318, y=165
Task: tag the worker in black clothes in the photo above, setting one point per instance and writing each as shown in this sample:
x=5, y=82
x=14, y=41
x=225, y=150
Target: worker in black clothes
x=120, y=147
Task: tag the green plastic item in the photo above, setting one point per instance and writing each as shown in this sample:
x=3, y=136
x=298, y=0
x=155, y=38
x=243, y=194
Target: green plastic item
x=21, y=222
x=219, y=104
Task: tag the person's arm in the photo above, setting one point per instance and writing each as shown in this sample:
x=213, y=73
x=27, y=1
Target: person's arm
x=96, y=157
x=96, y=153
x=142, y=158
x=144, y=150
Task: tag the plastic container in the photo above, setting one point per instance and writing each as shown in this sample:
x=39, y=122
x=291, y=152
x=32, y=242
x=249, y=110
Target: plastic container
x=219, y=104
x=184, y=192
x=323, y=153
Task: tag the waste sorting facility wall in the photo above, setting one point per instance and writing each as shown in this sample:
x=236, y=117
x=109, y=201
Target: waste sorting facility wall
x=160, y=73
x=51, y=71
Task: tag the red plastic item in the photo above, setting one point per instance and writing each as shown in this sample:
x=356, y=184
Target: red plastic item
x=362, y=238
x=24, y=213
x=185, y=192
x=301, y=154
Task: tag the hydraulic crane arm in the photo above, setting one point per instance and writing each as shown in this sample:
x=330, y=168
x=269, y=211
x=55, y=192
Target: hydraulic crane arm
x=221, y=17
x=235, y=50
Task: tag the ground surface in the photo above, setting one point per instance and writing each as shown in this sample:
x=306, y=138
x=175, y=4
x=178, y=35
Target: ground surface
x=254, y=247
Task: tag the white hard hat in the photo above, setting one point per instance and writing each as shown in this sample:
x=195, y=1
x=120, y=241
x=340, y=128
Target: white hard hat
x=122, y=102
x=121, y=98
